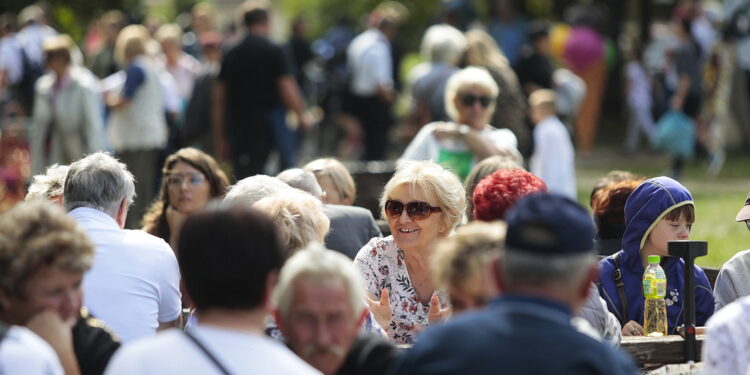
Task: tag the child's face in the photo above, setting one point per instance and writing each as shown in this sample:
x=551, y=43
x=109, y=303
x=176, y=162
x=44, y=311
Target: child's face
x=668, y=230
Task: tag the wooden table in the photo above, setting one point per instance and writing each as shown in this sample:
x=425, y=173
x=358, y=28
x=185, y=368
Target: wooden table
x=659, y=350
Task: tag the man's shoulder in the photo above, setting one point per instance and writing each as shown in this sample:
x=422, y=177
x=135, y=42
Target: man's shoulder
x=741, y=259
x=139, y=238
x=352, y=212
x=27, y=353
x=730, y=314
x=369, y=354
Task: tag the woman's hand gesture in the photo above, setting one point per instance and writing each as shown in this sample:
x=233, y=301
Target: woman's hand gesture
x=381, y=309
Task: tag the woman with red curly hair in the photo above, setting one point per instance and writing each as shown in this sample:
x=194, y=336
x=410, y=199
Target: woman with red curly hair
x=496, y=193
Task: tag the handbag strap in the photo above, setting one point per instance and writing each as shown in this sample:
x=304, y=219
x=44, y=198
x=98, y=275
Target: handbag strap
x=207, y=352
x=620, y=285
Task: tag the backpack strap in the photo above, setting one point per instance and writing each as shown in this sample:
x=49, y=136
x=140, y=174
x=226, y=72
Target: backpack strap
x=620, y=285
x=208, y=354
x=3, y=330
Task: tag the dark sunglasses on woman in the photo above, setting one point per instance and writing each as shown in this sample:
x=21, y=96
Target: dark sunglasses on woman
x=468, y=100
x=415, y=210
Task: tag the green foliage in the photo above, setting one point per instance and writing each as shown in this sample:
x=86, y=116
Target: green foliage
x=67, y=22
x=321, y=14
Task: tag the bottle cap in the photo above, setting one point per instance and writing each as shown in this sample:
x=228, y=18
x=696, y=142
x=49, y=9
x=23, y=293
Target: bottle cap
x=654, y=259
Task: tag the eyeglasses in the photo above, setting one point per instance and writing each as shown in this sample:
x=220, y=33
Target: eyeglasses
x=747, y=223
x=468, y=100
x=415, y=210
x=193, y=179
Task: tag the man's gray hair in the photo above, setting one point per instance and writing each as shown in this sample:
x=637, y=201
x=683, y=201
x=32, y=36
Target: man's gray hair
x=98, y=181
x=49, y=185
x=315, y=263
x=524, y=268
x=254, y=188
x=443, y=43
x=303, y=180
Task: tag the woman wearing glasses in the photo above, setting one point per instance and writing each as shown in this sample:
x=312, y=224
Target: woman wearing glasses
x=422, y=203
x=470, y=96
x=190, y=179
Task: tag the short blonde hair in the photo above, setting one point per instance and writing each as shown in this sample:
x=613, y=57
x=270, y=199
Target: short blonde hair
x=49, y=185
x=169, y=33
x=459, y=259
x=298, y=216
x=429, y=179
x=466, y=78
x=544, y=98
x=337, y=172
x=37, y=234
x=59, y=46
x=131, y=42
x=316, y=263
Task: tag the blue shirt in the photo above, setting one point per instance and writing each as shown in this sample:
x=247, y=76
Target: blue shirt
x=515, y=334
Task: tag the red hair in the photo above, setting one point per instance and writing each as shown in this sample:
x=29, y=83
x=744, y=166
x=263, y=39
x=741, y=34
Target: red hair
x=499, y=191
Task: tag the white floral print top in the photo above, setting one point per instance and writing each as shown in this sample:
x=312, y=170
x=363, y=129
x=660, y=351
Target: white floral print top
x=381, y=264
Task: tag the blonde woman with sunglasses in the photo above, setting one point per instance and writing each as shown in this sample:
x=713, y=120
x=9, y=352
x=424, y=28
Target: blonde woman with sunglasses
x=470, y=96
x=423, y=202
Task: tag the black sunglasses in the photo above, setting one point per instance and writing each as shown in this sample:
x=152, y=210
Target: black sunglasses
x=415, y=210
x=468, y=100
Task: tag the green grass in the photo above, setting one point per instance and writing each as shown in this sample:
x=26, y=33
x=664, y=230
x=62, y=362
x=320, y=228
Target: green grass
x=717, y=200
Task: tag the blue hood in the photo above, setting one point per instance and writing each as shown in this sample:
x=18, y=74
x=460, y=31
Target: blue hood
x=645, y=207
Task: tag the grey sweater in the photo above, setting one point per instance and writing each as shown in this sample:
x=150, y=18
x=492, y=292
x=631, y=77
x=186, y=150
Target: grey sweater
x=733, y=281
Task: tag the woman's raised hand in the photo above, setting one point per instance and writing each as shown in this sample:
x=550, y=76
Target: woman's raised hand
x=381, y=308
x=437, y=313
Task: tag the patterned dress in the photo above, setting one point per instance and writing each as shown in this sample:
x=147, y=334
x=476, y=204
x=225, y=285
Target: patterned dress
x=382, y=265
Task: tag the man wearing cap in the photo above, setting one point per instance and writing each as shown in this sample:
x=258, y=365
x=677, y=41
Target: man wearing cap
x=545, y=275
x=732, y=282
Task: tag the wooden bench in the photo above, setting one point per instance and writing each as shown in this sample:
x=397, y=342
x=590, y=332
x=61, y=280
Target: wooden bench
x=658, y=350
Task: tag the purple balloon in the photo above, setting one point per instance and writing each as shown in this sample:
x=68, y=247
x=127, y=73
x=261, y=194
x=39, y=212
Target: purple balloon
x=584, y=47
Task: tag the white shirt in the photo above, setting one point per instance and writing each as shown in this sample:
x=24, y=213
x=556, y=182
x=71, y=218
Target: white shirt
x=134, y=281
x=370, y=62
x=32, y=38
x=23, y=352
x=11, y=61
x=554, y=158
x=725, y=350
x=172, y=352
x=425, y=146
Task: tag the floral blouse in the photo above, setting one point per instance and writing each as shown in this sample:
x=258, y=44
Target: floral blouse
x=382, y=265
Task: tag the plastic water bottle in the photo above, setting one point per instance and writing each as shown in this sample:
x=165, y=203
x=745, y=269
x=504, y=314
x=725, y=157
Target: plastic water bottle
x=655, y=307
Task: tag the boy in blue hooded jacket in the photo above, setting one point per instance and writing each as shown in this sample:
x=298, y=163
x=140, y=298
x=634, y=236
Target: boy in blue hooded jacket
x=659, y=210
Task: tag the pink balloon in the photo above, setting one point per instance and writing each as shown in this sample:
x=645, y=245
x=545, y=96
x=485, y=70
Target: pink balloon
x=584, y=47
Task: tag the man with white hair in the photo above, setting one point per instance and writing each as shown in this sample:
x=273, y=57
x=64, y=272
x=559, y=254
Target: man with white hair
x=133, y=284
x=320, y=307
x=254, y=188
x=442, y=48
x=351, y=227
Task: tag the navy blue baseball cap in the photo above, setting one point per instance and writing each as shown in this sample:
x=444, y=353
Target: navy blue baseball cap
x=549, y=224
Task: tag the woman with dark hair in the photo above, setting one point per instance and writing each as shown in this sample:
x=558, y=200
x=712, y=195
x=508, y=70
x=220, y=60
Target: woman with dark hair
x=190, y=179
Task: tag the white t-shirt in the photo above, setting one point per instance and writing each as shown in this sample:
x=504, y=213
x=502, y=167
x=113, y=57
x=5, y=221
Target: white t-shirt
x=454, y=153
x=725, y=350
x=23, y=352
x=11, y=59
x=554, y=158
x=172, y=352
x=134, y=281
x=369, y=56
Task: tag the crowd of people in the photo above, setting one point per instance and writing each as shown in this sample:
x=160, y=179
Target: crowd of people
x=154, y=238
